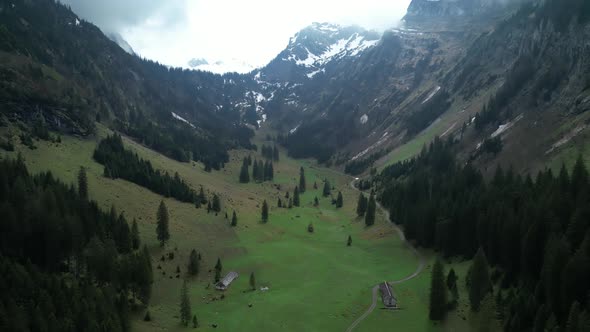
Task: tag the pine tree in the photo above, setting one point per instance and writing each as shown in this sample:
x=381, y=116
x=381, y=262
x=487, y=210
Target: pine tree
x=162, y=227
x=147, y=317
x=480, y=284
x=202, y=196
x=218, y=266
x=252, y=281
x=82, y=183
x=361, y=206
x=275, y=153
x=264, y=212
x=234, y=219
x=296, y=201
x=271, y=171
x=279, y=203
x=438, y=293
x=349, y=241
x=185, y=305
x=135, y=240
x=573, y=320
x=216, y=205
x=452, y=279
x=193, y=263
x=339, y=200
x=195, y=322
x=487, y=313
x=302, y=185
x=370, y=214
x=316, y=202
x=244, y=172
x=217, y=275
x=327, y=189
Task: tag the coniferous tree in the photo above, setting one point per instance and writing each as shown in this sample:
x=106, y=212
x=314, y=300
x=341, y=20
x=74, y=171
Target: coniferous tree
x=162, y=226
x=438, y=292
x=202, y=196
x=216, y=205
x=339, y=200
x=185, y=305
x=290, y=203
x=82, y=183
x=264, y=212
x=271, y=171
x=361, y=206
x=573, y=320
x=296, y=201
x=452, y=279
x=371, y=208
x=349, y=241
x=302, y=185
x=327, y=189
x=275, y=154
x=487, y=313
x=252, y=281
x=480, y=284
x=245, y=172
x=195, y=322
x=280, y=203
x=193, y=263
x=135, y=240
x=260, y=171
x=147, y=317
x=316, y=202
x=217, y=275
x=218, y=265
x=234, y=220
x=255, y=171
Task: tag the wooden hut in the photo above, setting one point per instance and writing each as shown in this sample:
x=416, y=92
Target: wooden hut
x=387, y=295
x=224, y=283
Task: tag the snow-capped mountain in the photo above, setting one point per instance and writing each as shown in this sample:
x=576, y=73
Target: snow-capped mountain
x=312, y=50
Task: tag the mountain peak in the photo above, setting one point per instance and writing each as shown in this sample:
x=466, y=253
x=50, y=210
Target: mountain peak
x=314, y=48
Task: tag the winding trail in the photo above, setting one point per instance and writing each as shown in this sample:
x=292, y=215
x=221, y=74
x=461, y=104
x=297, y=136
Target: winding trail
x=375, y=288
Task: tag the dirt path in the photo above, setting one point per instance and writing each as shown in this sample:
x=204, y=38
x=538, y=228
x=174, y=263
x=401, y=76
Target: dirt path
x=375, y=289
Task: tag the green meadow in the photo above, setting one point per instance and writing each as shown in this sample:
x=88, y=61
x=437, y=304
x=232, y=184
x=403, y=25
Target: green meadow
x=315, y=281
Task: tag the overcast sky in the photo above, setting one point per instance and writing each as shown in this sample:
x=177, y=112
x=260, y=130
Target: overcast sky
x=252, y=31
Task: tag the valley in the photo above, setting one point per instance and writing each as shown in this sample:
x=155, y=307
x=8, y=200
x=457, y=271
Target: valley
x=444, y=157
x=315, y=281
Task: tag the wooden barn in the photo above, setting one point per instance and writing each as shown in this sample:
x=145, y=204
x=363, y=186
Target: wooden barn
x=224, y=283
x=387, y=295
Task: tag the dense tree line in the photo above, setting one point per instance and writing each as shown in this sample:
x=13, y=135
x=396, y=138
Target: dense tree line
x=101, y=82
x=121, y=163
x=65, y=265
x=261, y=171
x=535, y=233
x=426, y=113
x=358, y=166
x=522, y=71
x=270, y=152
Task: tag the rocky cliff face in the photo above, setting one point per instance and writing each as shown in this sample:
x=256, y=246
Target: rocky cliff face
x=449, y=8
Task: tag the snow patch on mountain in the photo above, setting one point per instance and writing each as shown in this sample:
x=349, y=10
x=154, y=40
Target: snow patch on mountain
x=346, y=47
x=179, y=118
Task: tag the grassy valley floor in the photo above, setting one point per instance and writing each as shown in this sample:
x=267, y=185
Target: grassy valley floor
x=316, y=282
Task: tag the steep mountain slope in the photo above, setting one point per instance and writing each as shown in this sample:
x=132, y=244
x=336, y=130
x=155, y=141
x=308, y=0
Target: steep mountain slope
x=432, y=75
x=62, y=70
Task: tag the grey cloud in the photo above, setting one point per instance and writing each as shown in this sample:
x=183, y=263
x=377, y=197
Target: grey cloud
x=115, y=15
